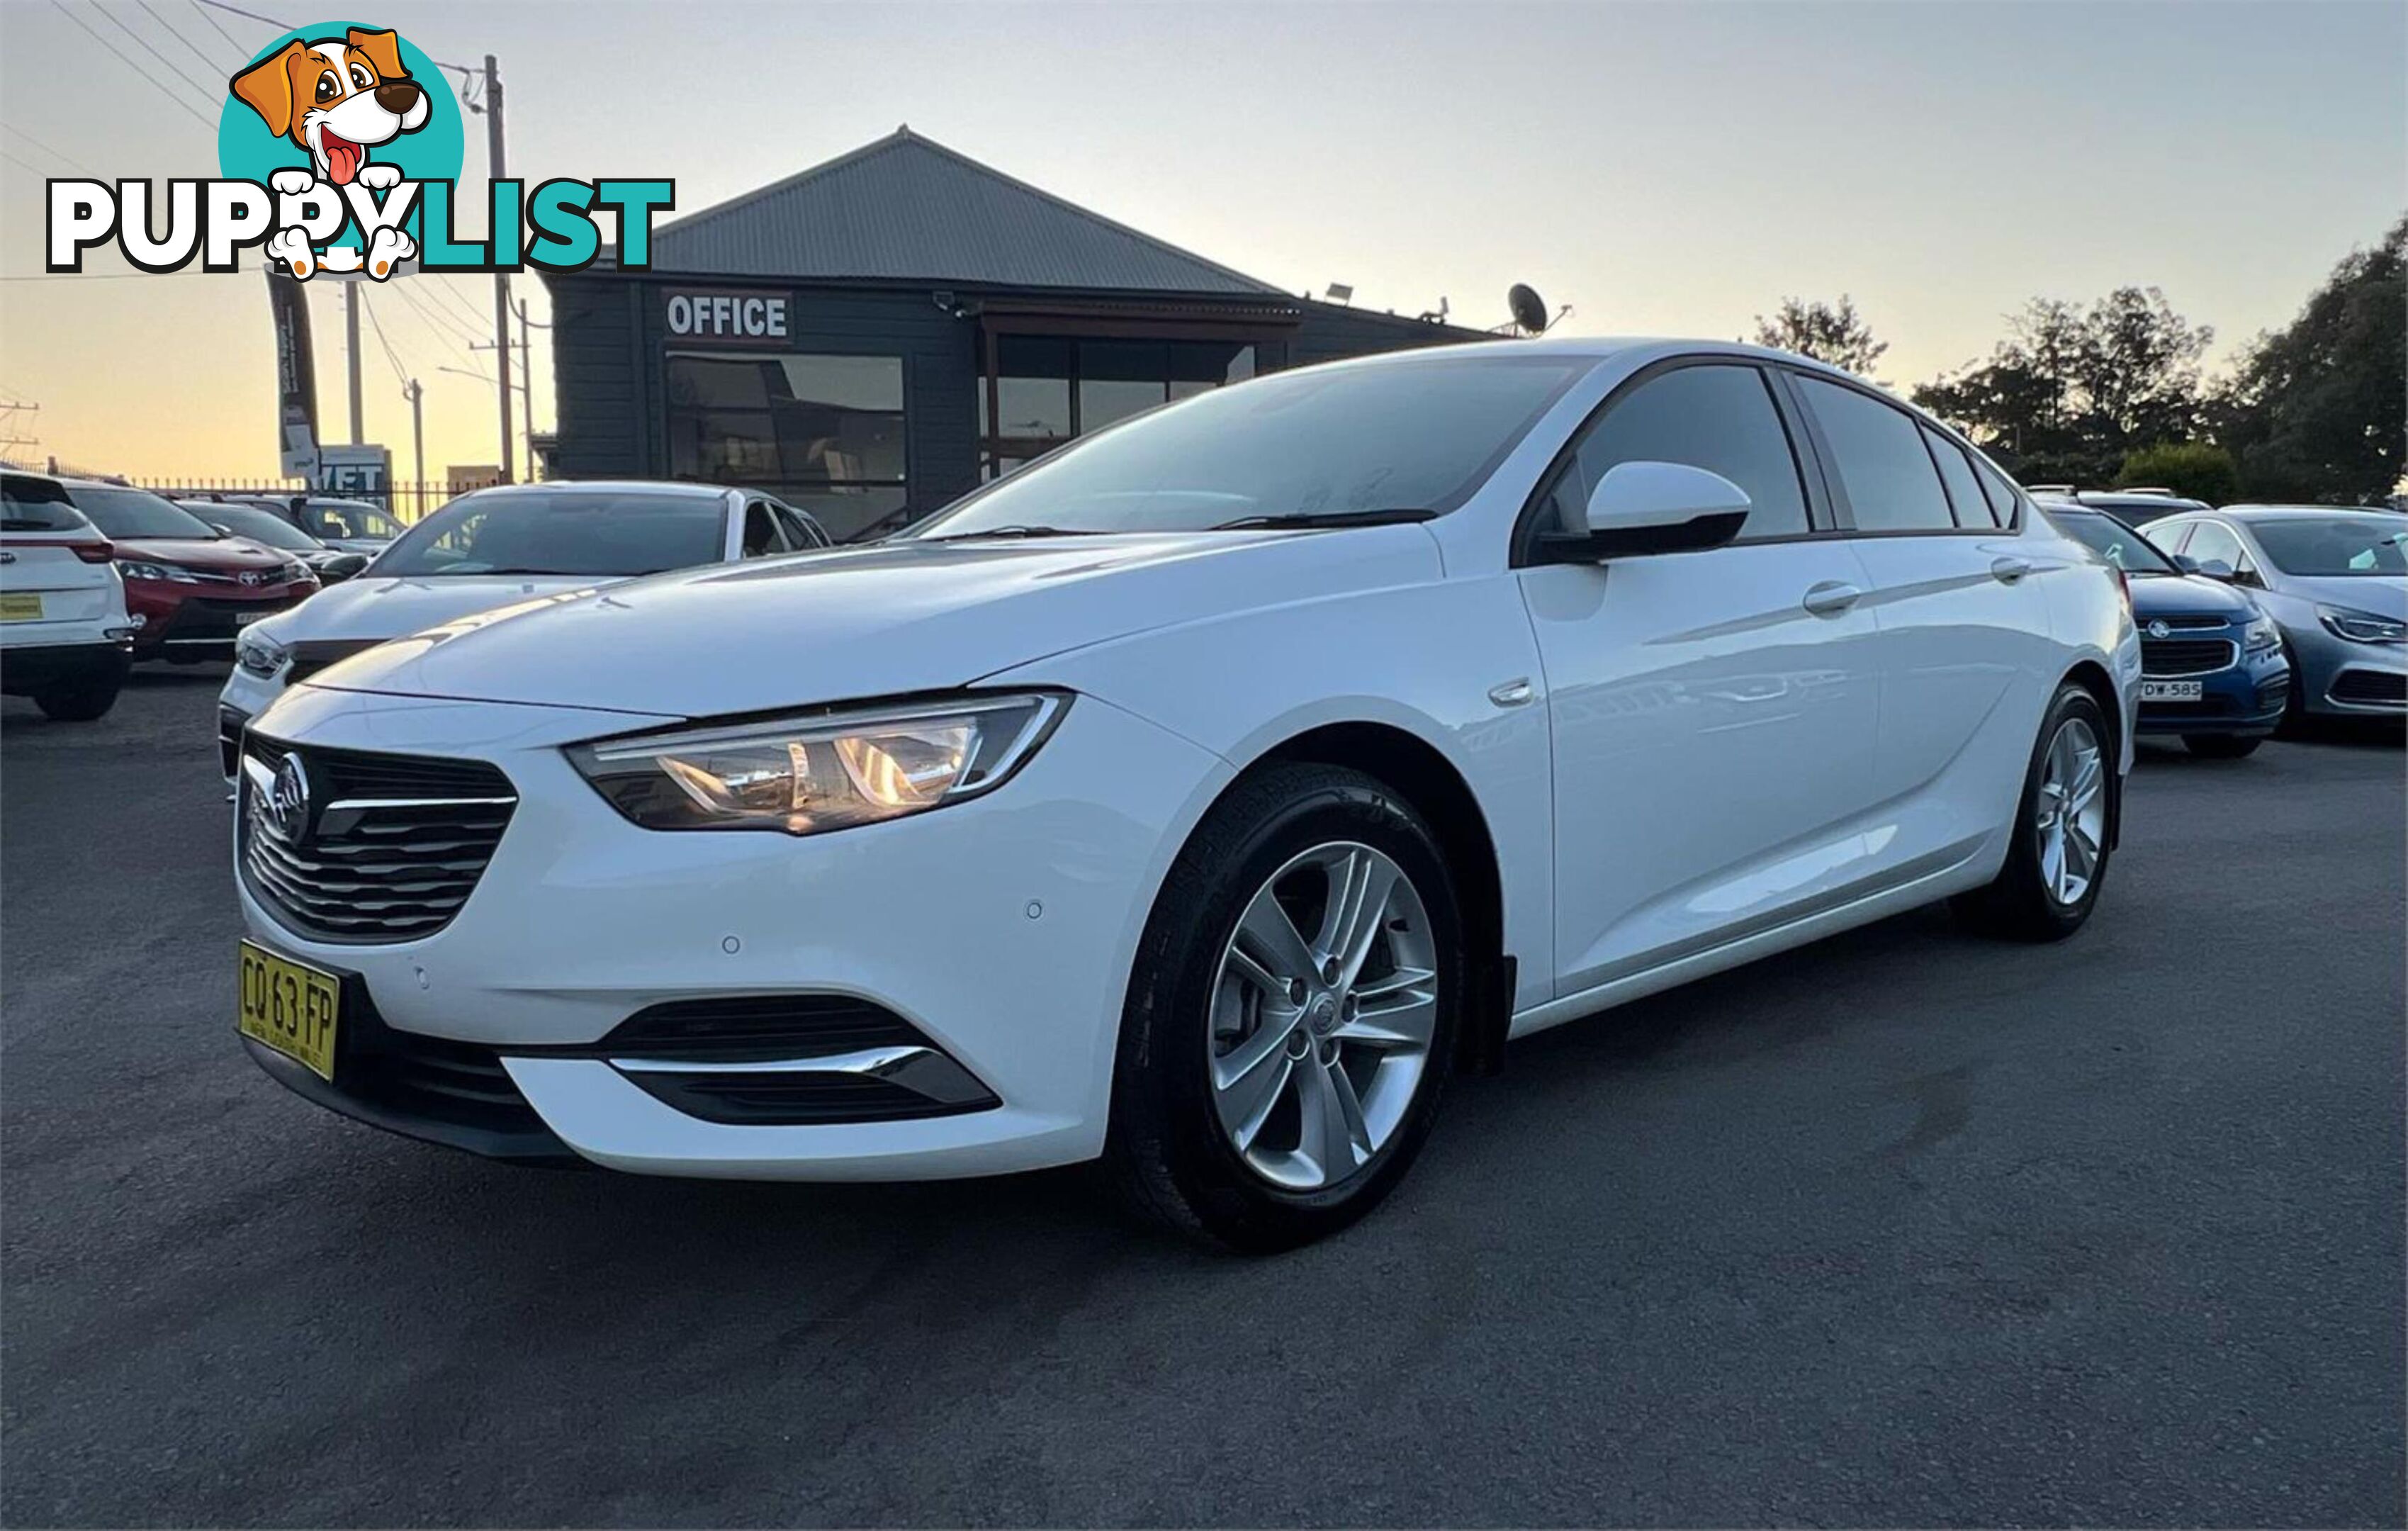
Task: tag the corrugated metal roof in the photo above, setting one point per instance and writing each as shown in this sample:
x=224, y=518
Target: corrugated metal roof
x=908, y=208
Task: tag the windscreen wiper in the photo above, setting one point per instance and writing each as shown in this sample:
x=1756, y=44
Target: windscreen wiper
x=1396, y=517
x=1012, y=531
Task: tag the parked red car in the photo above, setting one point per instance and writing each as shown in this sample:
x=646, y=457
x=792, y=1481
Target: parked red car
x=189, y=587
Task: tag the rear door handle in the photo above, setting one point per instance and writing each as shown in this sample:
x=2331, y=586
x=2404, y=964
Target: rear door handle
x=1831, y=598
x=2008, y=570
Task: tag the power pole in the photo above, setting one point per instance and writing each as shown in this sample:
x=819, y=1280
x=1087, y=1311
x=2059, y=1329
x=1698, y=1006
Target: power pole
x=493, y=110
x=418, y=441
x=351, y=352
x=9, y=424
x=526, y=388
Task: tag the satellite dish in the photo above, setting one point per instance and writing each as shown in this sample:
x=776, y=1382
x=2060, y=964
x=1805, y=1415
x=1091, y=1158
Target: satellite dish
x=1529, y=310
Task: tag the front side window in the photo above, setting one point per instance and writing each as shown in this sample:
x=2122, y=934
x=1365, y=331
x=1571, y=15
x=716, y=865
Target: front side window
x=824, y=432
x=2212, y=543
x=1720, y=418
x=1890, y=480
x=605, y=533
x=2324, y=546
x=1409, y=435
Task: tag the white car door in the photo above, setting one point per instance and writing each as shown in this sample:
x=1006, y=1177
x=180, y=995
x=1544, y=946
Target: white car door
x=1713, y=711
x=1968, y=661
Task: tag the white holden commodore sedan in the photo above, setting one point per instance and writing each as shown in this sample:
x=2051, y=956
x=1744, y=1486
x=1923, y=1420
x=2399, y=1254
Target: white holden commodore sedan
x=1198, y=798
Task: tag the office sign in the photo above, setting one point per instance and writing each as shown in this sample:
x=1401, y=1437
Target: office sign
x=722, y=316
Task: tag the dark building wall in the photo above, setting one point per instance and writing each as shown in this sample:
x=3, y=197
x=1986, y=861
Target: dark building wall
x=611, y=332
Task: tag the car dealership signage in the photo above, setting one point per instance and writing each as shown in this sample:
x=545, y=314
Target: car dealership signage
x=726, y=317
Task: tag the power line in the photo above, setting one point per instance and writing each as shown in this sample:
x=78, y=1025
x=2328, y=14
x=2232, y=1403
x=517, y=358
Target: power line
x=23, y=163
x=148, y=78
x=221, y=30
x=206, y=93
x=246, y=15
x=193, y=47
x=400, y=373
x=52, y=153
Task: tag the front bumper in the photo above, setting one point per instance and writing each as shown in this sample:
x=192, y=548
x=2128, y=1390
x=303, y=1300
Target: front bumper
x=189, y=623
x=2244, y=699
x=1001, y=927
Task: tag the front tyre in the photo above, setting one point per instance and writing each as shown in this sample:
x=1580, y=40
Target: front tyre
x=1292, y=1013
x=2057, y=861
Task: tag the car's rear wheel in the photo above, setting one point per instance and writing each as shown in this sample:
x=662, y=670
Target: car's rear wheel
x=81, y=701
x=1292, y=1014
x=2057, y=861
x=2222, y=746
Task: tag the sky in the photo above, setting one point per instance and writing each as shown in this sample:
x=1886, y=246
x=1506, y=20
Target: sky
x=1662, y=168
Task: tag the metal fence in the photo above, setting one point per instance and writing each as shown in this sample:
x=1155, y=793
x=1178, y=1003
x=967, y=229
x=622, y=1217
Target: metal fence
x=407, y=500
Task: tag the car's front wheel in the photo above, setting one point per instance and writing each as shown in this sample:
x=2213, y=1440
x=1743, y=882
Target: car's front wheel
x=2057, y=861
x=1292, y=1013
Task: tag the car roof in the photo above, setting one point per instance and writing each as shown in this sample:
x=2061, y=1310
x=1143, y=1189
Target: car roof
x=2279, y=512
x=667, y=486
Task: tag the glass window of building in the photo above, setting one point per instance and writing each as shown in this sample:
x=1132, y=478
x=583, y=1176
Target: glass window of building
x=822, y=433
x=1048, y=390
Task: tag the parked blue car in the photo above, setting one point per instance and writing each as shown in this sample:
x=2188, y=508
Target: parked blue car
x=2212, y=665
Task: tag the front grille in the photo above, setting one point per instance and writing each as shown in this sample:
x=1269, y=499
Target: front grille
x=2164, y=658
x=2370, y=687
x=792, y=1099
x=2190, y=624
x=387, y=847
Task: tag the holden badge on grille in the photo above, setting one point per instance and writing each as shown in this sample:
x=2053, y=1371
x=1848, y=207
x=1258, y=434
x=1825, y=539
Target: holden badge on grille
x=2158, y=627
x=288, y=798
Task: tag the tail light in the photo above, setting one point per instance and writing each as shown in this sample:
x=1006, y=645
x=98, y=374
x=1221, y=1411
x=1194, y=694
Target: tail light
x=91, y=552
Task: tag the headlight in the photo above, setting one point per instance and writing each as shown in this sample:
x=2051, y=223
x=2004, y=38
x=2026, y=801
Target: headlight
x=136, y=569
x=2260, y=635
x=2360, y=627
x=828, y=770
x=260, y=655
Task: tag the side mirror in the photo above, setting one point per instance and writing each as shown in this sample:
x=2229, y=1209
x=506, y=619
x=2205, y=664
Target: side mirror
x=2214, y=569
x=2184, y=561
x=1653, y=507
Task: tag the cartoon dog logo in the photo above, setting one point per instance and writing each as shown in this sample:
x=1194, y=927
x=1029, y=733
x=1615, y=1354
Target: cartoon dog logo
x=337, y=99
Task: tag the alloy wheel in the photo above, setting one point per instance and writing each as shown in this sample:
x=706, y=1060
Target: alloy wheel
x=2071, y=816
x=1322, y=1012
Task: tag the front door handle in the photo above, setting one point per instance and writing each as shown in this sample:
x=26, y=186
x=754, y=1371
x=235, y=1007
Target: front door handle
x=2008, y=570
x=1831, y=598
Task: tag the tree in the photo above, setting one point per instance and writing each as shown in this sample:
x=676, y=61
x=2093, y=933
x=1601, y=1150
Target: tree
x=2193, y=470
x=2317, y=411
x=1828, y=332
x=2071, y=390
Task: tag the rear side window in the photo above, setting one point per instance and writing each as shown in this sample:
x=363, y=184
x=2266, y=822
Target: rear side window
x=1718, y=418
x=2001, y=494
x=1956, y=475
x=37, y=505
x=1878, y=450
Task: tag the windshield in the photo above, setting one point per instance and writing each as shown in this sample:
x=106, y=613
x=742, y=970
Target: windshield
x=37, y=505
x=2322, y=546
x=264, y=526
x=609, y=533
x=1417, y=435
x=138, y=512
x=349, y=518
x=2112, y=541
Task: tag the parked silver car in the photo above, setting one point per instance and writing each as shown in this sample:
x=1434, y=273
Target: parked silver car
x=2335, y=580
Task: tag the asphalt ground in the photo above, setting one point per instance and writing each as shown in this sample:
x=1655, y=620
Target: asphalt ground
x=1902, y=1227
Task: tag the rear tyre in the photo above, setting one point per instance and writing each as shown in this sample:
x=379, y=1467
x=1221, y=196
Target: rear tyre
x=81, y=701
x=1292, y=1013
x=2222, y=746
x=2057, y=861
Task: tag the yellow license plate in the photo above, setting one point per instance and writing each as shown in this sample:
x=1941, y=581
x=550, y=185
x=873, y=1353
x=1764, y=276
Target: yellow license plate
x=21, y=608
x=290, y=1006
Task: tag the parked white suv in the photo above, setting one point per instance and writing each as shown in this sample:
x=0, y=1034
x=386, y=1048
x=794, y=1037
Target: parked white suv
x=65, y=639
x=1197, y=797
